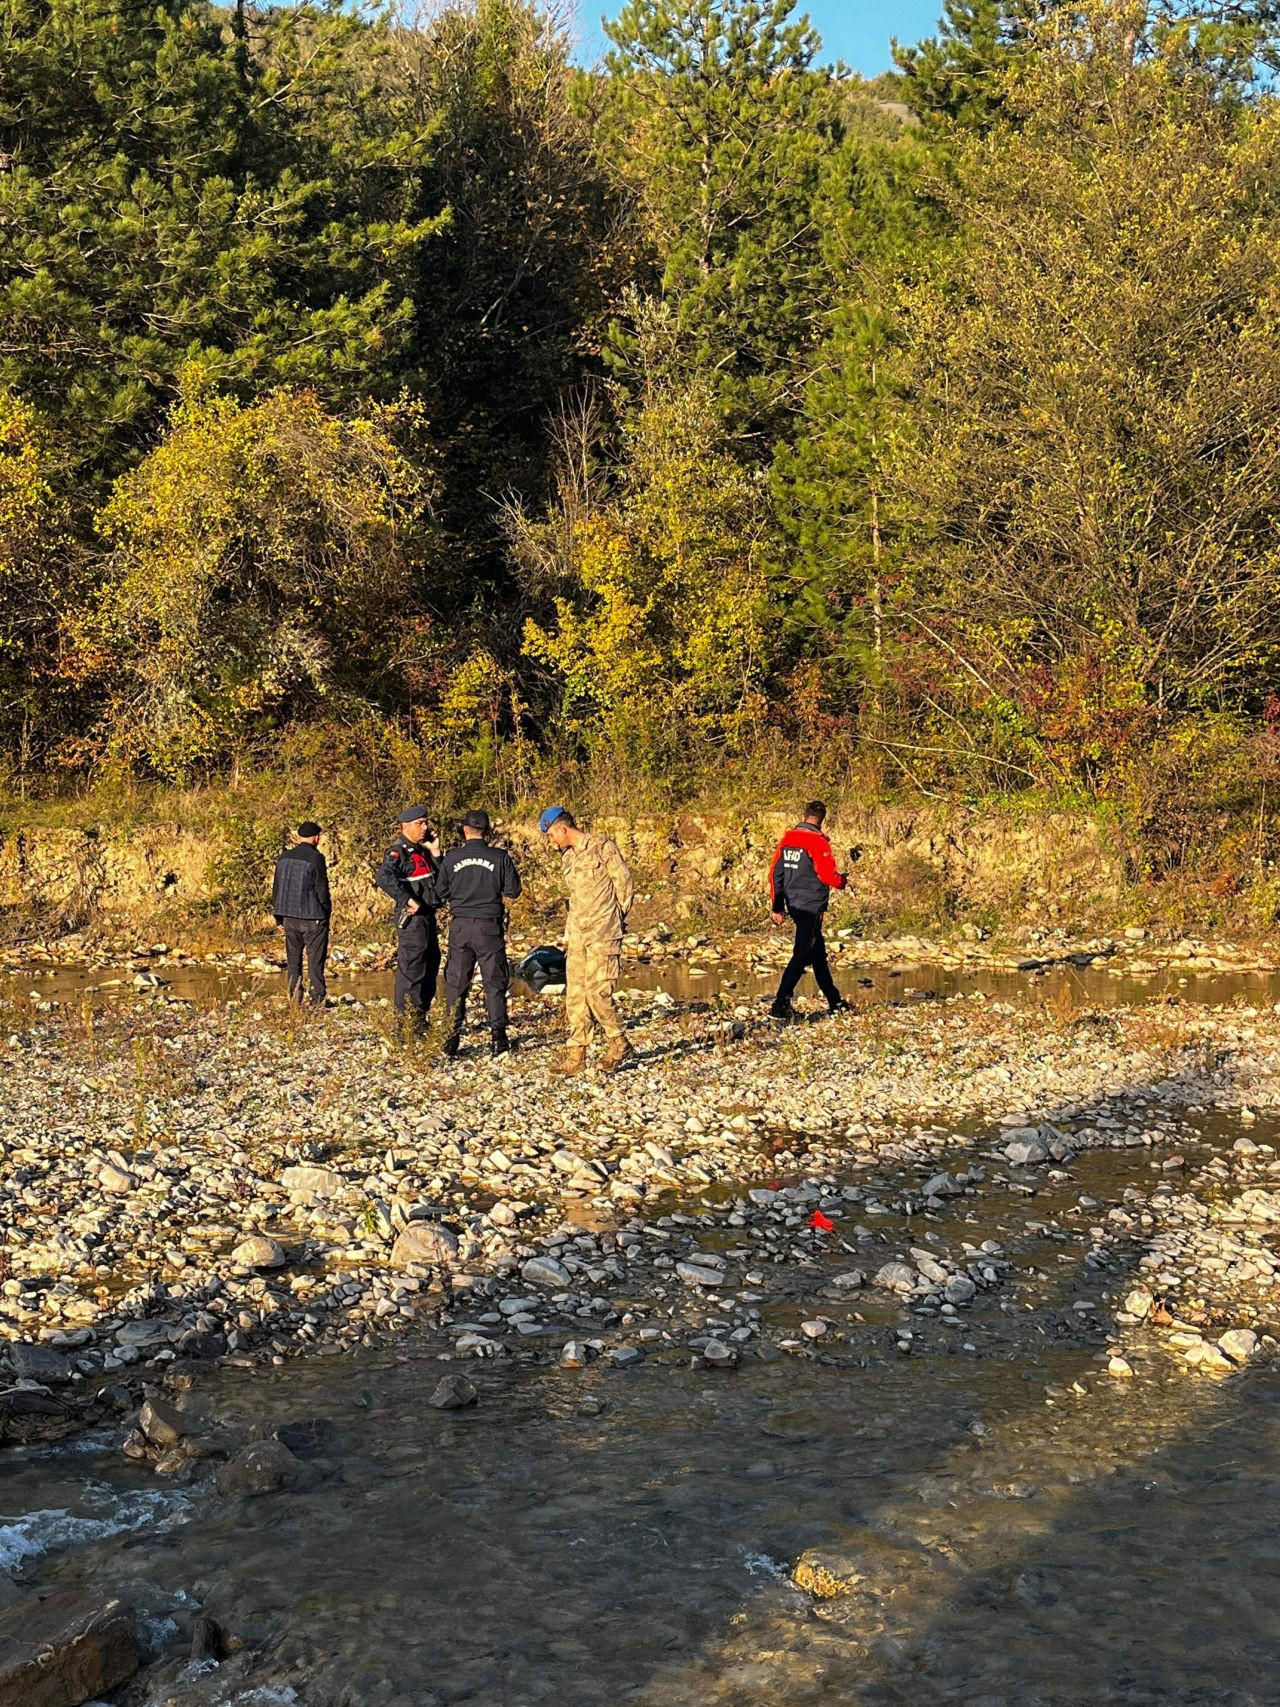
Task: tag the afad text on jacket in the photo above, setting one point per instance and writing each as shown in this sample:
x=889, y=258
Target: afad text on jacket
x=803, y=872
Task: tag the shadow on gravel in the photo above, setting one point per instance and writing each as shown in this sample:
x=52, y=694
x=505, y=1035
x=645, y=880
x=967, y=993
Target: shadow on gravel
x=1080, y=1540
x=605, y=1536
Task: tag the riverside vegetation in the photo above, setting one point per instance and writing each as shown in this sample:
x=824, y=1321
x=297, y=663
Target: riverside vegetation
x=388, y=402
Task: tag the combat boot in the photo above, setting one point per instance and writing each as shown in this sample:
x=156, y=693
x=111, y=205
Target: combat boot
x=451, y=1045
x=616, y=1051
x=571, y=1062
x=499, y=1043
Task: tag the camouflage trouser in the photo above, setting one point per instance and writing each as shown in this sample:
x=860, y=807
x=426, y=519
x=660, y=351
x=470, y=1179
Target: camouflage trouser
x=591, y=975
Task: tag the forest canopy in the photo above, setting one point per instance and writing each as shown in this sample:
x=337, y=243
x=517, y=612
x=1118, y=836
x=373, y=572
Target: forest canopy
x=367, y=372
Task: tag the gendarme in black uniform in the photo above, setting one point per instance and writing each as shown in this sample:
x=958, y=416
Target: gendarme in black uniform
x=475, y=882
x=407, y=873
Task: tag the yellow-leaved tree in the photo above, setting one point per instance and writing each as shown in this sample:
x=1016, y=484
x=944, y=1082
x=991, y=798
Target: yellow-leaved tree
x=1097, y=468
x=658, y=631
x=258, y=572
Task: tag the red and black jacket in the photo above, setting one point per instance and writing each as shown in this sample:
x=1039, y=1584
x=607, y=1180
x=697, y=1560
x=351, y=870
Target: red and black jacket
x=408, y=873
x=803, y=872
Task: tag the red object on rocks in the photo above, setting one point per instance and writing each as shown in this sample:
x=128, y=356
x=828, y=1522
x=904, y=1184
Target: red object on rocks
x=819, y=1220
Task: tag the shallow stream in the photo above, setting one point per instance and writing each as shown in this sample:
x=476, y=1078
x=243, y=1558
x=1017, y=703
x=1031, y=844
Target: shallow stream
x=1010, y=1524
x=1060, y=985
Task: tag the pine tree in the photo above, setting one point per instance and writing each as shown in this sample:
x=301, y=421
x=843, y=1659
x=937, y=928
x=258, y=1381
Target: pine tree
x=836, y=501
x=35, y=562
x=179, y=183
x=508, y=296
x=958, y=74
x=714, y=116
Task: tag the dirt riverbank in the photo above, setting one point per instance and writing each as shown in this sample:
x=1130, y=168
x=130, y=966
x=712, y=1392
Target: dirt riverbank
x=202, y=873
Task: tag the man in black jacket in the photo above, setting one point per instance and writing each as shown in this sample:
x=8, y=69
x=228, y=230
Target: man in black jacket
x=300, y=902
x=407, y=874
x=475, y=882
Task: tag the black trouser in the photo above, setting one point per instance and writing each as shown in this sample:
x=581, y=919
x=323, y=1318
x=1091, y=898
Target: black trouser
x=810, y=951
x=417, y=963
x=311, y=936
x=472, y=943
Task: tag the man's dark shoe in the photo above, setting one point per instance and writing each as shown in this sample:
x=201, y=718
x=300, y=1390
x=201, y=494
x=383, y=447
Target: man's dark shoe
x=499, y=1043
x=781, y=1013
x=451, y=1046
x=840, y=1007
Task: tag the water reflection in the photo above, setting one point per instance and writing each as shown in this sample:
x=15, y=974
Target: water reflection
x=1060, y=987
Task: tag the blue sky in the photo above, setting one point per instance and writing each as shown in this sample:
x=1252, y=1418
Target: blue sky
x=856, y=31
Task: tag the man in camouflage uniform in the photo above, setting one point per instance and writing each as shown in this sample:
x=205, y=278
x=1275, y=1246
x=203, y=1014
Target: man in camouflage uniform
x=600, y=896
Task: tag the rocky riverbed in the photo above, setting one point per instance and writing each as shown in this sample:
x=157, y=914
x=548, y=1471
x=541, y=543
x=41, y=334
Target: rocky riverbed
x=198, y=1194
x=183, y=1185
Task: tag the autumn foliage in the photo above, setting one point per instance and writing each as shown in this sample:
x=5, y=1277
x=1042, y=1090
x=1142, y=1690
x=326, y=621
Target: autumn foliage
x=400, y=384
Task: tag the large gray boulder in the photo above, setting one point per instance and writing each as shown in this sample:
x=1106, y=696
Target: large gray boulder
x=426, y=1243
x=262, y=1468
x=163, y=1424
x=1026, y=1149
x=63, y=1645
x=452, y=1393
x=313, y=1182
x=546, y=1271
x=40, y=1363
x=258, y=1251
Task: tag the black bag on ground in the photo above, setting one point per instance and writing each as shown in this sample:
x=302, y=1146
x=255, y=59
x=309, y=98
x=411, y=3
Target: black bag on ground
x=540, y=967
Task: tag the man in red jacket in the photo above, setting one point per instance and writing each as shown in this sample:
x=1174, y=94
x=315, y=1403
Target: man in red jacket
x=801, y=879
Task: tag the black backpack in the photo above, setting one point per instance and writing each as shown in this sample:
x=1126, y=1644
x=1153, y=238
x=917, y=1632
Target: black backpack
x=540, y=967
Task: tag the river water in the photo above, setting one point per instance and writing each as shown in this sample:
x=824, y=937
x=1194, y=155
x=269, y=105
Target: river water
x=686, y=981
x=1012, y=1525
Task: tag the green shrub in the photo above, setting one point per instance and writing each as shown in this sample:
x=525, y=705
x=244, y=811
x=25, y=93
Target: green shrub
x=242, y=869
